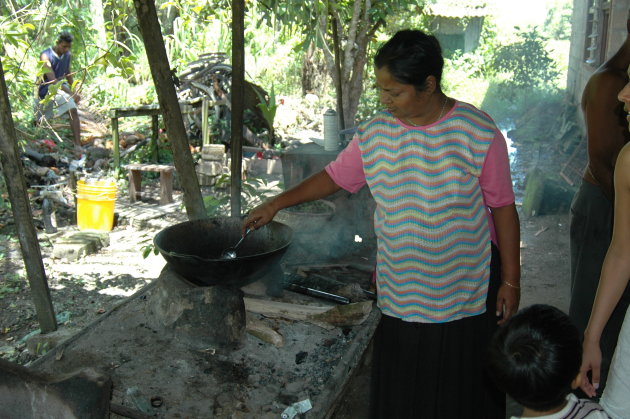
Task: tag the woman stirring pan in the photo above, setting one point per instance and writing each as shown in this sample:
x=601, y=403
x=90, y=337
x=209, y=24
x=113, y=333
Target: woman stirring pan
x=447, y=236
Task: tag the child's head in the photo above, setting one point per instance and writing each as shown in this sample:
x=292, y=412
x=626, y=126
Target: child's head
x=535, y=357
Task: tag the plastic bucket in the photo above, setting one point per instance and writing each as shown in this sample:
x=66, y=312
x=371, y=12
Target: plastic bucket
x=95, y=205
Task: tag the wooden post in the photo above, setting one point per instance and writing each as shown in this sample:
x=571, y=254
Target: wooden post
x=338, y=86
x=155, y=129
x=238, y=99
x=18, y=195
x=115, y=140
x=205, y=134
x=167, y=96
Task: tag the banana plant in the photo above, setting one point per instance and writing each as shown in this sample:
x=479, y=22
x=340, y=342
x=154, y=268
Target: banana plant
x=268, y=109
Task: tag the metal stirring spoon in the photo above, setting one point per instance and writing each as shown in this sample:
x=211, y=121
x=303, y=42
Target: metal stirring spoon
x=230, y=252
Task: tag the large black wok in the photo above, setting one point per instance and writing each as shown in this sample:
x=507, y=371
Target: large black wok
x=193, y=249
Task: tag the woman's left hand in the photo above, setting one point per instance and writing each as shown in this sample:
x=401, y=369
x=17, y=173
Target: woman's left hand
x=508, y=299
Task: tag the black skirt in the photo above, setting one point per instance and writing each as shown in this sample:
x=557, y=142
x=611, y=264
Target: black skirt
x=436, y=370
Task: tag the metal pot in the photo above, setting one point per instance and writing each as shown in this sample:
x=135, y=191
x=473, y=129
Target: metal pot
x=193, y=249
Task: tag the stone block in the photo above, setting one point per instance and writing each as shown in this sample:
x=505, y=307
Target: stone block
x=79, y=244
x=41, y=343
x=264, y=167
x=202, y=316
x=212, y=168
x=213, y=152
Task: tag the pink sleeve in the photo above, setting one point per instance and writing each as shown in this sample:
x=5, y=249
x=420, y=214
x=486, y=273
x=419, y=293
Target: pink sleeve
x=347, y=170
x=495, y=179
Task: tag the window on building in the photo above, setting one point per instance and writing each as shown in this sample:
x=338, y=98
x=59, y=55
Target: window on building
x=596, y=32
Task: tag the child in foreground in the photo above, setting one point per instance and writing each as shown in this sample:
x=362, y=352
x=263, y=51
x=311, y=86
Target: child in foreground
x=535, y=358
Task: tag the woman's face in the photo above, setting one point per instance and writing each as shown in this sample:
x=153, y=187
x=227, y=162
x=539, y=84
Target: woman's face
x=401, y=100
x=624, y=96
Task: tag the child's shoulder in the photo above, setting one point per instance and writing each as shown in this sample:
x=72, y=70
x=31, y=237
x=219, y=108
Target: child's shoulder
x=585, y=409
x=576, y=409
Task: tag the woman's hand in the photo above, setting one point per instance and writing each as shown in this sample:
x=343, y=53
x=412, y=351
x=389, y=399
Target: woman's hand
x=508, y=299
x=259, y=216
x=591, y=361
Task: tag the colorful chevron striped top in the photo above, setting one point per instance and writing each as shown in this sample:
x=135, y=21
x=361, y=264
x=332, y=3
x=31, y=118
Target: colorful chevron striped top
x=431, y=218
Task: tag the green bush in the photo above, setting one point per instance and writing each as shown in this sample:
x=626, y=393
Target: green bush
x=535, y=107
x=526, y=63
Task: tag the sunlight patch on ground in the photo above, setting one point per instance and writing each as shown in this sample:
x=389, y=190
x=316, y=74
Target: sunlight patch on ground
x=119, y=292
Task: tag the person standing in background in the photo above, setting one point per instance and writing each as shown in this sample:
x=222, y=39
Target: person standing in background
x=614, y=280
x=592, y=206
x=56, y=60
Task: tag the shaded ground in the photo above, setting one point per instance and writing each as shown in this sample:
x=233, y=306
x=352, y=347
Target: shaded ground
x=84, y=290
x=81, y=290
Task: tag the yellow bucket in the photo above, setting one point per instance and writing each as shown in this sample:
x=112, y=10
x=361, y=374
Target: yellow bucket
x=95, y=205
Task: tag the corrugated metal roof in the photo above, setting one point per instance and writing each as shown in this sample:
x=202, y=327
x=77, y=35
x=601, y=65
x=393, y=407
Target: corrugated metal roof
x=458, y=8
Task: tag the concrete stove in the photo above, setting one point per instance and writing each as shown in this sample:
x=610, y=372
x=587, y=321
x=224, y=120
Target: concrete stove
x=165, y=358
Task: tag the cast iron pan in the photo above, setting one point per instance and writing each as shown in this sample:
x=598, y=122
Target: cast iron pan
x=193, y=249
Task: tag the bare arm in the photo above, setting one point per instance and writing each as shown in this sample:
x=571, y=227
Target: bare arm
x=314, y=187
x=605, y=132
x=508, y=237
x=614, y=277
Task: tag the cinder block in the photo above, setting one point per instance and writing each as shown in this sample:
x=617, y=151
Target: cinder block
x=79, y=244
x=213, y=152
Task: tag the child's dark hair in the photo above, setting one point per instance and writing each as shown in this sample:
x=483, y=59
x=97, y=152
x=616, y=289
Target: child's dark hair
x=535, y=356
x=65, y=36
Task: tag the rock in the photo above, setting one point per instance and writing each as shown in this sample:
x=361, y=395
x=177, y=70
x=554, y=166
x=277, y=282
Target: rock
x=545, y=195
x=28, y=394
x=203, y=316
x=79, y=244
x=41, y=343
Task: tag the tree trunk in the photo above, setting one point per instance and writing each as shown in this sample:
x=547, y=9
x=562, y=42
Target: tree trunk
x=98, y=22
x=22, y=215
x=238, y=102
x=167, y=96
x=353, y=58
x=308, y=70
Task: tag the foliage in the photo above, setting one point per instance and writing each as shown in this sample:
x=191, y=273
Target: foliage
x=114, y=72
x=558, y=22
x=253, y=192
x=30, y=27
x=526, y=63
x=268, y=107
x=147, y=248
x=11, y=284
x=343, y=30
x=507, y=105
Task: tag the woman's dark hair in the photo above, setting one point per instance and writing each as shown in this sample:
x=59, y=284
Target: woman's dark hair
x=535, y=356
x=65, y=37
x=410, y=57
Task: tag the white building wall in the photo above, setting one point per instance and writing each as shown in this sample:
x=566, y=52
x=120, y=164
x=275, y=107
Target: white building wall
x=579, y=71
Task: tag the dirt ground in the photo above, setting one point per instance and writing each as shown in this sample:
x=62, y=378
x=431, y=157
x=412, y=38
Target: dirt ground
x=89, y=288
x=84, y=289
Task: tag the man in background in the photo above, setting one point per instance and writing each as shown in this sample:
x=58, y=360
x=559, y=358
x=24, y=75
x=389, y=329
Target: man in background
x=56, y=61
x=592, y=207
